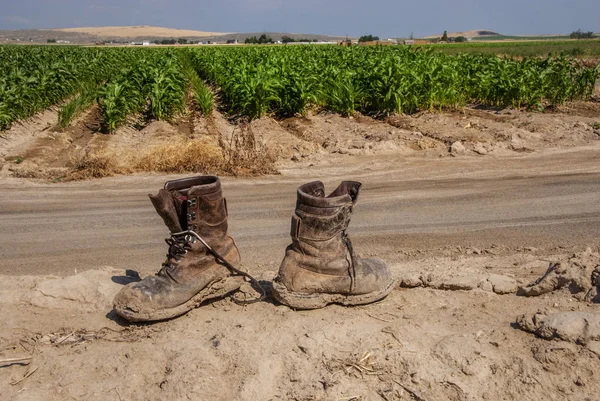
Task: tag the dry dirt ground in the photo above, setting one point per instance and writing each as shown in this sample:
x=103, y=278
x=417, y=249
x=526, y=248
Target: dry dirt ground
x=469, y=209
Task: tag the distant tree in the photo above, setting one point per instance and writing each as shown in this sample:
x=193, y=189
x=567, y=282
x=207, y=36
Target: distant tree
x=264, y=39
x=304, y=40
x=459, y=39
x=182, y=41
x=51, y=40
x=578, y=34
x=261, y=40
x=445, y=36
x=368, y=38
x=287, y=39
x=168, y=42
x=411, y=36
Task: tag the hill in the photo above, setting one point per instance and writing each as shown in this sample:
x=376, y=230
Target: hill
x=140, y=33
x=477, y=33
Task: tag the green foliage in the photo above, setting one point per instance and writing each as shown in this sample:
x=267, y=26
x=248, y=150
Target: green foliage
x=460, y=39
x=578, y=34
x=36, y=77
x=263, y=39
x=202, y=96
x=445, y=36
x=154, y=85
x=285, y=80
x=77, y=105
x=368, y=38
x=383, y=80
x=537, y=48
x=51, y=41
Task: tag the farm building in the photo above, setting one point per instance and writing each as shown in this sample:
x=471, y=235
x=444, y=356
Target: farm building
x=377, y=42
x=416, y=42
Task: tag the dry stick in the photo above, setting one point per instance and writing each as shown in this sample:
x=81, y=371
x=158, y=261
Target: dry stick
x=14, y=383
x=11, y=361
x=378, y=318
x=65, y=338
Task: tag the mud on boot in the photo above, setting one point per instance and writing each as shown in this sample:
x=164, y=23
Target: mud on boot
x=320, y=266
x=199, y=251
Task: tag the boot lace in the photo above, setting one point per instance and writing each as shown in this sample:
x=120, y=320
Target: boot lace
x=180, y=243
x=351, y=266
x=178, y=247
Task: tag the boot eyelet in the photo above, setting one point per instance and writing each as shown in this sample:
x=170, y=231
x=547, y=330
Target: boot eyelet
x=191, y=216
x=191, y=202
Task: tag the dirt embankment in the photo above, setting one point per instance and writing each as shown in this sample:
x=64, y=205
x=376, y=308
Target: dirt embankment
x=38, y=149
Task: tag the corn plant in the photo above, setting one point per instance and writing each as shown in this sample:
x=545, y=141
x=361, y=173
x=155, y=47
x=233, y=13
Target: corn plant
x=77, y=105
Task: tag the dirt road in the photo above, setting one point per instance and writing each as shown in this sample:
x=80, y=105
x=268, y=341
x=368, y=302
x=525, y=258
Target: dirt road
x=470, y=229
x=541, y=200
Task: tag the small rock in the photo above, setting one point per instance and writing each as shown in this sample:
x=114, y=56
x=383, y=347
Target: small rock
x=486, y=286
x=503, y=284
x=457, y=148
x=479, y=149
x=464, y=283
x=577, y=327
x=411, y=281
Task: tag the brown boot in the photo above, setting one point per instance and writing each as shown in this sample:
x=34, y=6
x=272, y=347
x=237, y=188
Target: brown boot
x=195, y=212
x=320, y=266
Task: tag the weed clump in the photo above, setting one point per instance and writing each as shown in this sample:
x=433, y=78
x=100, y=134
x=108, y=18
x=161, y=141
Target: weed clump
x=243, y=156
x=181, y=157
x=96, y=165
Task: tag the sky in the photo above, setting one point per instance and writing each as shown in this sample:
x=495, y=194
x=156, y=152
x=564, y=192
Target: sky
x=385, y=18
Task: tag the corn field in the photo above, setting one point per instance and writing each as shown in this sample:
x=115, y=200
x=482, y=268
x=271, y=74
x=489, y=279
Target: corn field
x=384, y=80
x=252, y=81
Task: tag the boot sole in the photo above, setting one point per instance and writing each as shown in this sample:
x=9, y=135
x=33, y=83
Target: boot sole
x=215, y=290
x=298, y=300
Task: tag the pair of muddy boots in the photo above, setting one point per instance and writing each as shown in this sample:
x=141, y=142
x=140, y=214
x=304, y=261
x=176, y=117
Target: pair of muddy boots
x=320, y=266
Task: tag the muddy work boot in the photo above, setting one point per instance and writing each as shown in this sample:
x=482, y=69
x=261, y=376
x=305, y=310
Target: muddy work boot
x=196, y=269
x=320, y=266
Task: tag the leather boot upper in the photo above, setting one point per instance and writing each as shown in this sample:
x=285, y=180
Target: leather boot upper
x=195, y=204
x=321, y=257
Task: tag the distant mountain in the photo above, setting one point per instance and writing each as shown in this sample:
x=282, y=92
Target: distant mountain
x=140, y=33
x=468, y=34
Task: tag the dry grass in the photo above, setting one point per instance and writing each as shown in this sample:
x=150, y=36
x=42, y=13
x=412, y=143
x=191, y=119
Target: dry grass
x=239, y=156
x=96, y=165
x=243, y=155
x=181, y=157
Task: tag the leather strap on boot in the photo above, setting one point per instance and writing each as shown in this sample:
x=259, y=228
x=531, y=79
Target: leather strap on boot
x=189, y=234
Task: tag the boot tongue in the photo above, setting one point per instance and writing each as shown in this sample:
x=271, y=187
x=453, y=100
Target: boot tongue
x=169, y=207
x=315, y=188
x=350, y=188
